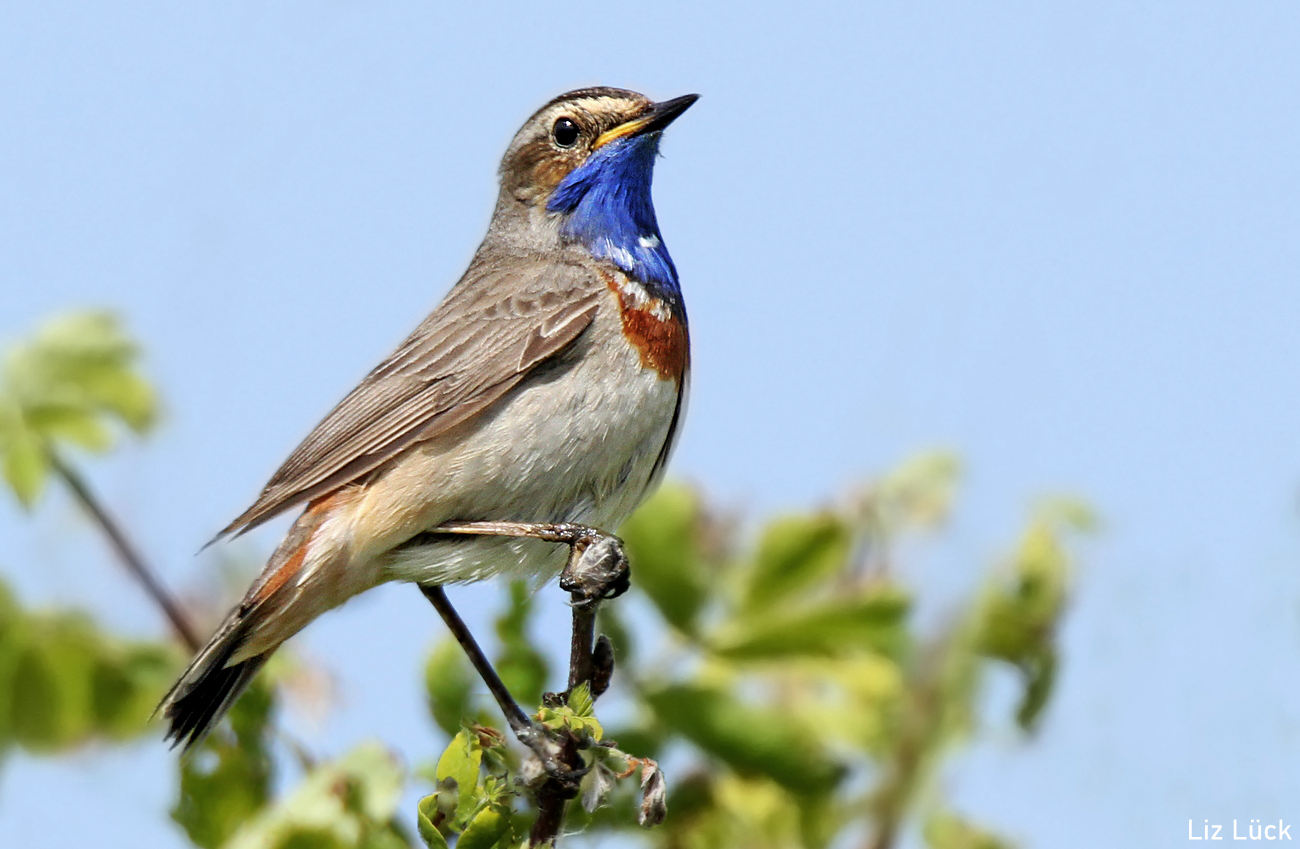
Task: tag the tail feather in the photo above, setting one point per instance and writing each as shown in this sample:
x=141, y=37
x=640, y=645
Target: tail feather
x=209, y=687
x=275, y=608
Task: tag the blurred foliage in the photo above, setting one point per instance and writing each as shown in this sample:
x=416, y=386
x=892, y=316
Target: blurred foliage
x=949, y=831
x=64, y=682
x=799, y=697
x=68, y=384
x=345, y=804
x=784, y=674
x=816, y=703
x=519, y=663
x=228, y=779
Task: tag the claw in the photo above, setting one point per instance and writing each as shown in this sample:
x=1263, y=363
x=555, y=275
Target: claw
x=599, y=571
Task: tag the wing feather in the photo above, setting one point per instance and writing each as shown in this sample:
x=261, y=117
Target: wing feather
x=494, y=327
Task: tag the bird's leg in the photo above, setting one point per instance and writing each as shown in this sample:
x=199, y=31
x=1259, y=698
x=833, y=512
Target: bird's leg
x=597, y=569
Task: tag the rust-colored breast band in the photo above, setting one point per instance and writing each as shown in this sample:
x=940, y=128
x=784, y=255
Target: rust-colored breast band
x=662, y=342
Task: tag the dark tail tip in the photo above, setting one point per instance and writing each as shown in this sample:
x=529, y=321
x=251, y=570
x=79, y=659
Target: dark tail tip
x=204, y=693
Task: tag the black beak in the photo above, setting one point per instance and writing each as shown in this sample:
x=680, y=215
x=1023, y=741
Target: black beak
x=652, y=120
x=664, y=113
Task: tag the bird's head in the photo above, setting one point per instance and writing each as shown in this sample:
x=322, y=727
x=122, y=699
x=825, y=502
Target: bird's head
x=581, y=166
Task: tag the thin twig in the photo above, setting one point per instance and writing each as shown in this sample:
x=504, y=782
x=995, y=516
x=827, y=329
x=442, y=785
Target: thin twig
x=127, y=553
x=582, y=667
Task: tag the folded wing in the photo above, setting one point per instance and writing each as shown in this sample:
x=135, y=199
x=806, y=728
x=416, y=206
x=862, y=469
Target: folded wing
x=494, y=327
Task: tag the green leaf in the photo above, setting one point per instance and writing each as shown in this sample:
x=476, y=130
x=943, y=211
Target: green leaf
x=460, y=761
x=1067, y=513
x=13, y=636
x=51, y=680
x=581, y=702
x=662, y=542
x=64, y=384
x=749, y=739
x=692, y=796
x=817, y=821
x=1040, y=676
x=1018, y=617
x=26, y=465
x=832, y=629
x=127, y=685
x=577, y=716
x=795, y=553
x=13, y=642
x=64, y=681
x=127, y=395
x=71, y=424
x=428, y=817
x=486, y=828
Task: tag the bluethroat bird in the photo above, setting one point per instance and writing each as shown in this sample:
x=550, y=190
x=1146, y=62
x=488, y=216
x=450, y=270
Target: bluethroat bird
x=534, y=407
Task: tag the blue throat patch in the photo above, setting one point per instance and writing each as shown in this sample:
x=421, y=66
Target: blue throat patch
x=607, y=205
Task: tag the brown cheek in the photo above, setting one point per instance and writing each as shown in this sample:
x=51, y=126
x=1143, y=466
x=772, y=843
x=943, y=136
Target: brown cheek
x=548, y=173
x=544, y=169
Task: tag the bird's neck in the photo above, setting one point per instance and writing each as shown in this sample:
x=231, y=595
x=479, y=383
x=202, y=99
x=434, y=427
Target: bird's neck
x=605, y=206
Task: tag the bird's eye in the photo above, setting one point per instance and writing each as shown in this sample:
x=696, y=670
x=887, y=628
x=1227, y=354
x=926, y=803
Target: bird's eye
x=565, y=132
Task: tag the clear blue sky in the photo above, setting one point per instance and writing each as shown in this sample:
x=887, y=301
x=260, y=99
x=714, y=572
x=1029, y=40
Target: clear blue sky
x=1062, y=239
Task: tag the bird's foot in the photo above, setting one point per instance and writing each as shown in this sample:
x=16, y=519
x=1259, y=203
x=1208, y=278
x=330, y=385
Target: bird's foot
x=598, y=569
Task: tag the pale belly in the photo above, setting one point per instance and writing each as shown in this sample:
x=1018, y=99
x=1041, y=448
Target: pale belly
x=579, y=444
